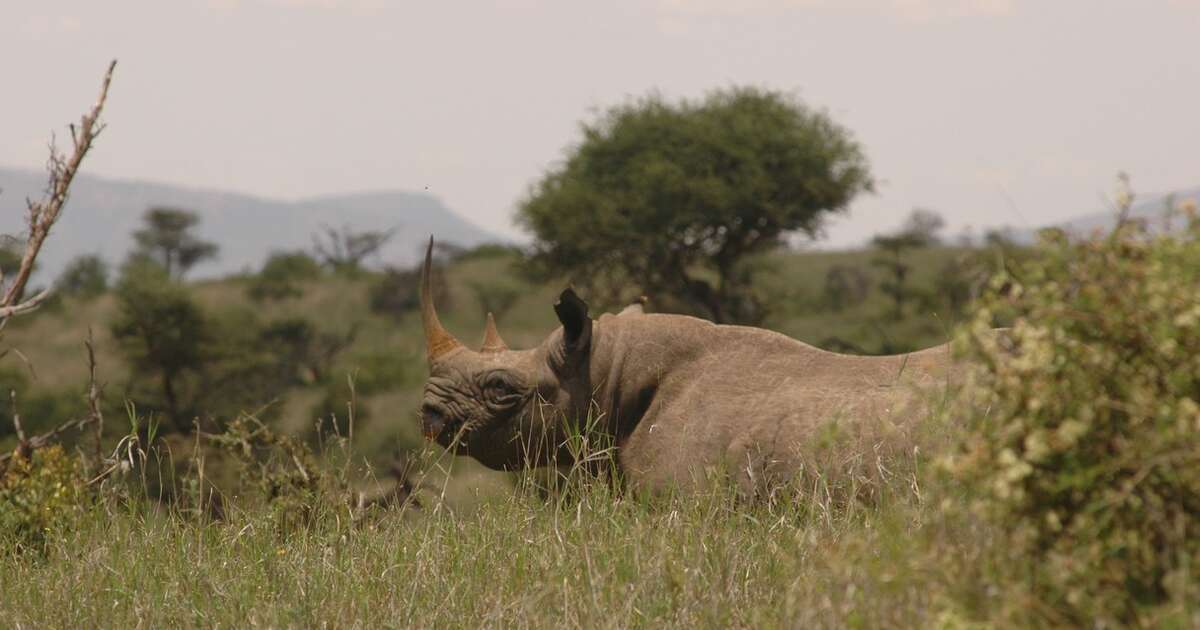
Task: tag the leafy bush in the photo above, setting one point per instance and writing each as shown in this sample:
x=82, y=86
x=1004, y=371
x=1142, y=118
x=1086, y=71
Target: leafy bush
x=281, y=275
x=39, y=494
x=188, y=362
x=86, y=277
x=845, y=286
x=396, y=292
x=1085, y=443
x=281, y=470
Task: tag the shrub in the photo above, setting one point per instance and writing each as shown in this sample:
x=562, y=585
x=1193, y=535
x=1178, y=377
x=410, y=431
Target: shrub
x=281, y=275
x=396, y=292
x=86, y=277
x=1085, y=444
x=846, y=286
x=163, y=333
x=39, y=494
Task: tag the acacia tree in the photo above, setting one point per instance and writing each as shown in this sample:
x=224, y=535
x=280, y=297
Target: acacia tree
x=168, y=239
x=670, y=199
x=344, y=250
x=920, y=229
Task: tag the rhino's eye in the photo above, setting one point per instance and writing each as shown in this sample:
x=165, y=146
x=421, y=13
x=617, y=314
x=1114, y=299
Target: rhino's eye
x=500, y=385
x=497, y=385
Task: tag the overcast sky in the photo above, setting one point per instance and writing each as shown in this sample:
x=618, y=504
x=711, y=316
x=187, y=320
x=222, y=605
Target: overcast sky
x=989, y=111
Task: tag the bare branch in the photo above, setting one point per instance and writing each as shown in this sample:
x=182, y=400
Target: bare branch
x=26, y=446
x=43, y=213
x=26, y=306
x=94, y=397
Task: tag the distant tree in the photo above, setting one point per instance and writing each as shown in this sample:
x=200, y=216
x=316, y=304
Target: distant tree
x=189, y=363
x=163, y=333
x=495, y=296
x=345, y=251
x=959, y=281
x=305, y=353
x=86, y=277
x=924, y=226
x=919, y=230
x=281, y=275
x=671, y=199
x=167, y=238
x=846, y=286
x=395, y=293
x=486, y=251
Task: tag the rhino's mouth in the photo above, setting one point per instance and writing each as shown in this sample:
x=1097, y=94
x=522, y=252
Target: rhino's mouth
x=435, y=423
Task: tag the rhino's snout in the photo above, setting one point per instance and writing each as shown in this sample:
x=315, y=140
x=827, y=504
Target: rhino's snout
x=434, y=421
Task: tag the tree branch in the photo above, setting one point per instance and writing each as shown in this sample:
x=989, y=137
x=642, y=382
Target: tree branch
x=43, y=213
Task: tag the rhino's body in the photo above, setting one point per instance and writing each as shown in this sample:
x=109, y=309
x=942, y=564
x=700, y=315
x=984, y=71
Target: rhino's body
x=679, y=396
x=686, y=395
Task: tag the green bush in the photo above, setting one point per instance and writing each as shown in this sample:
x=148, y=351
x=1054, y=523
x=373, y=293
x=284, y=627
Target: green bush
x=86, y=277
x=1084, y=446
x=282, y=275
x=39, y=494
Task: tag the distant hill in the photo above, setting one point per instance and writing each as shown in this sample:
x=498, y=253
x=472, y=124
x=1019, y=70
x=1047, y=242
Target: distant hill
x=1152, y=210
x=103, y=213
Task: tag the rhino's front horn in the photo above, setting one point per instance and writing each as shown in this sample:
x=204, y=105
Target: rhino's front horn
x=437, y=340
x=491, y=338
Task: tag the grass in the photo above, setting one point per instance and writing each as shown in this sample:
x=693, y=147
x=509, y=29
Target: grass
x=869, y=536
x=595, y=558
x=863, y=542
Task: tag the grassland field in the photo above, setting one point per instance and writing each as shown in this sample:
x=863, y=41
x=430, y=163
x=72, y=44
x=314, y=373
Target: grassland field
x=868, y=540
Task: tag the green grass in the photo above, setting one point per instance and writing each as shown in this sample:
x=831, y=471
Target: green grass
x=593, y=558
x=871, y=537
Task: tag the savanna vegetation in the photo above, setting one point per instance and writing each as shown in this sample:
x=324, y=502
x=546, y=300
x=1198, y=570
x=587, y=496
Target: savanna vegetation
x=244, y=451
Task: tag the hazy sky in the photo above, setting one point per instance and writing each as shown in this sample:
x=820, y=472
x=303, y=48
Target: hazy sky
x=989, y=111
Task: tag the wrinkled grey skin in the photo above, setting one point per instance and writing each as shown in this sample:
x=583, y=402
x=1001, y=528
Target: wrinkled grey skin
x=678, y=395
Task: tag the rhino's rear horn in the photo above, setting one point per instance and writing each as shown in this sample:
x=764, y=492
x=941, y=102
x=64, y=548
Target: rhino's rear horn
x=437, y=340
x=491, y=337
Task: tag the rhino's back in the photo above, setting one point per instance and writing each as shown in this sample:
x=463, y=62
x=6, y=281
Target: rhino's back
x=748, y=395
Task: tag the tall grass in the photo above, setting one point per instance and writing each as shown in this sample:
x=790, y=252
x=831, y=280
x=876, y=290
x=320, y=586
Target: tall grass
x=831, y=554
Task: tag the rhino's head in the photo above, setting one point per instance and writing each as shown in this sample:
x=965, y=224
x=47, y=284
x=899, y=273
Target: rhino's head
x=506, y=408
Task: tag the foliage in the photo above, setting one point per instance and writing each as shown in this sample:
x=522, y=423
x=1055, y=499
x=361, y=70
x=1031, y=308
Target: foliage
x=382, y=370
x=281, y=469
x=919, y=230
x=85, y=277
x=496, y=296
x=487, y=251
x=168, y=238
x=281, y=276
x=163, y=332
x=304, y=353
x=39, y=495
x=41, y=409
x=188, y=363
x=344, y=250
x=845, y=286
x=397, y=292
x=671, y=200
x=1085, y=441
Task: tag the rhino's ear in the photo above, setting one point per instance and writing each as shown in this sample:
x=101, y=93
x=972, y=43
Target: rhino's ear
x=577, y=326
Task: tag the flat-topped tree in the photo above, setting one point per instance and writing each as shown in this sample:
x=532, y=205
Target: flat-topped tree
x=168, y=238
